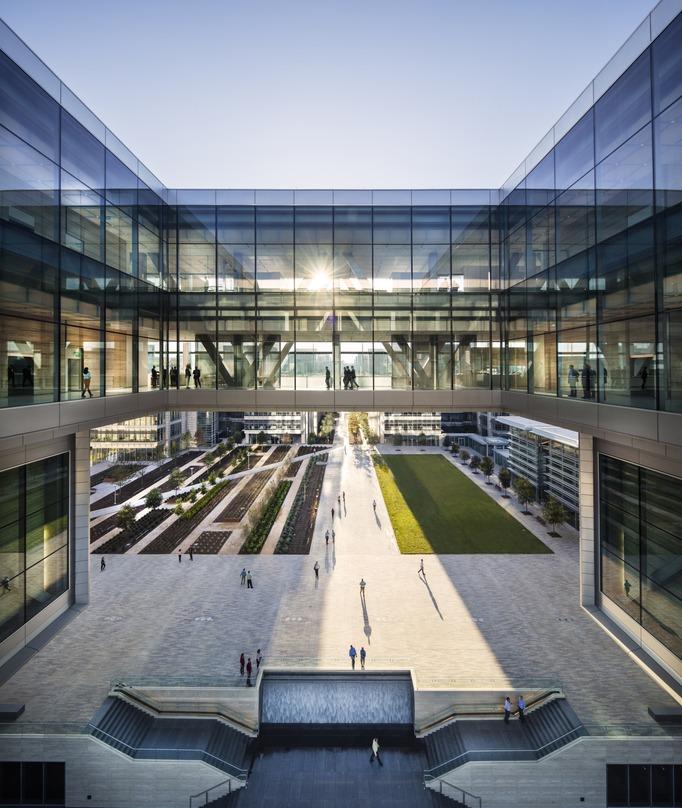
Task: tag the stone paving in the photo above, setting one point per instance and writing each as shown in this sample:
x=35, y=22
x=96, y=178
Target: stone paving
x=476, y=620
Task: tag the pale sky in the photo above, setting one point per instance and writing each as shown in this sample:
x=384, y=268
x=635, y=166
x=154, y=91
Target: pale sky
x=323, y=93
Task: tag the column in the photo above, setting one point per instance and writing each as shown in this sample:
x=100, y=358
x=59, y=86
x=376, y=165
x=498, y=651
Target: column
x=588, y=498
x=81, y=532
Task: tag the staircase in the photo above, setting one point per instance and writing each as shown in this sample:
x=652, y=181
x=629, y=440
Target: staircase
x=552, y=726
x=141, y=735
x=545, y=729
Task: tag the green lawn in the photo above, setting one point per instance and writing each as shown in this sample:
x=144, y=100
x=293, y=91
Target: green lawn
x=434, y=508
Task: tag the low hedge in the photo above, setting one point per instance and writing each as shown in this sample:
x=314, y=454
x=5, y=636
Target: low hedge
x=260, y=531
x=204, y=500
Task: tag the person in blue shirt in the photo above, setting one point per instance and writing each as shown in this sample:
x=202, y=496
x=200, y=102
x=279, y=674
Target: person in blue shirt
x=352, y=653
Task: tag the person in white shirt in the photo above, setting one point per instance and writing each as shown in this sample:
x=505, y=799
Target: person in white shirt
x=375, y=752
x=521, y=706
x=507, y=709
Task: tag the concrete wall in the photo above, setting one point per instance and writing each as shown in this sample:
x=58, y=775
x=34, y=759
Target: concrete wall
x=99, y=777
x=561, y=779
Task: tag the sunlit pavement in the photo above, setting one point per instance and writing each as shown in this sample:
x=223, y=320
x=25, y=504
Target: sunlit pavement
x=476, y=619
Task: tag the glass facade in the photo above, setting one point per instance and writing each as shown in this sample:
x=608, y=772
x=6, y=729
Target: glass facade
x=566, y=284
x=640, y=534
x=34, y=530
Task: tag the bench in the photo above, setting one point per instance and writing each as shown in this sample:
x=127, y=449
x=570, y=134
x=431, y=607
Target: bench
x=10, y=712
x=666, y=714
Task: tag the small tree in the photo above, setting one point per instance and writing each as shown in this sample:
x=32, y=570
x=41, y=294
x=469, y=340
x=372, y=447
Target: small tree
x=554, y=513
x=487, y=467
x=153, y=499
x=186, y=440
x=455, y=448
x=176, y=479
x=475, y=464
x=525, y=493
x=198, y=437
x=261, y=437
x=312, y=437
x=398, y=440
x=178, y=510
x=464, y=456
x=504, y=476
x=125, y=518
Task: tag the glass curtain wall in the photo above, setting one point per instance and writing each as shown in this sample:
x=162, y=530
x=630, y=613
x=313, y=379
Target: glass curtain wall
x=640, y=533
x=34, y=530
x=591, y=246
x=569, y=287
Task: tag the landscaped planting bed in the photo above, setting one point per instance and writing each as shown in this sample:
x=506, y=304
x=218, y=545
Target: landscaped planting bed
x=103, y=527
x=219, y=465
x=210, y=542
x=139, y=484
x=246, y=497
x=298, y=529
x=176, y=533
x=278, y=454
x=260, y=531
x=127, y=538
x=111, y=474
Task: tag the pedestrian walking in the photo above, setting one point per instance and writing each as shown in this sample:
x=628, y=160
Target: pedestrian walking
x=317, y=570
x=249, y=668
x=352, y=653
x=259, y=659
x=374, y=505
x=197, y=377
x=87, y=380
x=249, y=580
x=102, y=565
x=521, y=706
x=507, y=709
x=243, y=576
x=191, y=554
x=363, y=657
x=332, y=514
x=188, y=375
x=421, y=568
x=375, y=752
x=362, y=587
x=326, y=537
x=333, y=536
x=344, y=499
x=339, y=501
x=242, y=662
x=179, y=557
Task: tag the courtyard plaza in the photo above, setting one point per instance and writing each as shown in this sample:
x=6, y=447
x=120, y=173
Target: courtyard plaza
x=487, y=621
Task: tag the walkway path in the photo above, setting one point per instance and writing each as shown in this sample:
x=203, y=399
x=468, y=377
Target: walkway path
x=359, y=531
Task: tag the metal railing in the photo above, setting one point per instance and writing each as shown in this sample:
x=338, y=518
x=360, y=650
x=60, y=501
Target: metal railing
x=210, y=794
x=524, y=753
x=162, y=753
x=454, y=793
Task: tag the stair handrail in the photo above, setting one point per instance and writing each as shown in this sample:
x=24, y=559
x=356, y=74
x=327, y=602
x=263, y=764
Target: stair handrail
x=149, y=704
x=503, y=753
x=466, y=798
x=200, y=754
x=448, y=713
x=205, y=793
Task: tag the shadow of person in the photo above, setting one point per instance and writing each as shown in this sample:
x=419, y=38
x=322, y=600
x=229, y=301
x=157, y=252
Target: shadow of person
x=433, y=600
x=365, y=619
x=378, y=521
x=327, y=565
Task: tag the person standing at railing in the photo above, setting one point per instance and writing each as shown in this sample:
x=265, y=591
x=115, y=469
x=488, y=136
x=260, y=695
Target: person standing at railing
x=507, y=709
x=521, y=707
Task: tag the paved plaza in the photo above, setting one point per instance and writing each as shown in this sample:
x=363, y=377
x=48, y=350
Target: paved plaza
x=485, y=620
